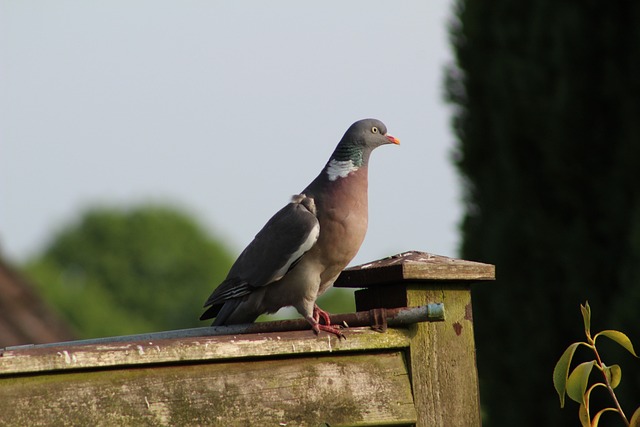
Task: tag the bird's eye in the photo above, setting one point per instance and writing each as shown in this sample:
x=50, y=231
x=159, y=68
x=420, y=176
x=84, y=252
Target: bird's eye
x=374, y=129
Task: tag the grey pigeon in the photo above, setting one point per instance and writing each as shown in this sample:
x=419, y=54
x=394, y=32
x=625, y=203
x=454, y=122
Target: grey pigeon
x=303, y=248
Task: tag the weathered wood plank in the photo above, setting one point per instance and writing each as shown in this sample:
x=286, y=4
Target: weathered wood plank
x=443, y=360
x=413, y=266
x=352, y=389
x=98, y=356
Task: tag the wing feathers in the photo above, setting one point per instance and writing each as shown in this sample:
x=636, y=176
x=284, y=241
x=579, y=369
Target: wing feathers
x=274, y=251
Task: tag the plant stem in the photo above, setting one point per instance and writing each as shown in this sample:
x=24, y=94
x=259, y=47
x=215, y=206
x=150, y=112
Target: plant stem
x=606, y=382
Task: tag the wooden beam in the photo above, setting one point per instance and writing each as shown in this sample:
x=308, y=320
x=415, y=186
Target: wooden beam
x=105, y=355
x=414, y=266
x=354, y=390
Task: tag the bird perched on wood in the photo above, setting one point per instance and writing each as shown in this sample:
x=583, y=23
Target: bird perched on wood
x=303, y=248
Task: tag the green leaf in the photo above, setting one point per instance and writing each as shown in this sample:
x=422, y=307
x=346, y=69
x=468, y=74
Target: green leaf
x=596, y=418
x=587, y=395
x=635, y=419
x=578, y=380
x=561, y=371
x=586, y=317
x=613, y=374
x=583, y=416
x=618, y=337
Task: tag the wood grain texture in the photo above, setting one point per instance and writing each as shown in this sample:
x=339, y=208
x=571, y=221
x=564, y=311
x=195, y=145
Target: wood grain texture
x=443, y=360
x=100, y=356
x=355, y=390
x=413, y=266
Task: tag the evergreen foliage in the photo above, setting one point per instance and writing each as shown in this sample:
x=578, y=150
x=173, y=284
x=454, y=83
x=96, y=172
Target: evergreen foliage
x=547, y=115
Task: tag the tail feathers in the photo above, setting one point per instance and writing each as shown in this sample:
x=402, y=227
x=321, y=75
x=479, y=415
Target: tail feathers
x=211, y=312
x=229, y=289
x=225, y=300
x=228, y=314
x=225, y=311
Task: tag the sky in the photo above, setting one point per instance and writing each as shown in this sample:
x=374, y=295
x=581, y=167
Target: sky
x=225, y=109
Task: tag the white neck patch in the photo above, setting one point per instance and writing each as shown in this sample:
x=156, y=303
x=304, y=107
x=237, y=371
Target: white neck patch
x=340, y=169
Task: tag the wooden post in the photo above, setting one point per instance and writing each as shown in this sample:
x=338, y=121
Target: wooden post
x=442, y=356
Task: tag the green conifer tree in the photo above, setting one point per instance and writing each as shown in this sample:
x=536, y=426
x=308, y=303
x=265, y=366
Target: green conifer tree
x=547, y=115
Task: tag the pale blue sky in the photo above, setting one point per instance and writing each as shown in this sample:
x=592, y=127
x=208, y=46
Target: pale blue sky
x=226, y=108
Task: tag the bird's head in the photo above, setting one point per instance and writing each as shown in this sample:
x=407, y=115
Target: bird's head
x=368, y=133
x=360, y=139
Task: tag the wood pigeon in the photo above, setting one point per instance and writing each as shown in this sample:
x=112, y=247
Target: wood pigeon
x=303, y=248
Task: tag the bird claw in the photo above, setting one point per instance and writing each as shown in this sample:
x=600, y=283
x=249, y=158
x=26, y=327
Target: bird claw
x=330, y=329
x=318, y=314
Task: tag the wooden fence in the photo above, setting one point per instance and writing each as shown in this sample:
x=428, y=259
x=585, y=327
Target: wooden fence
x=399, y=370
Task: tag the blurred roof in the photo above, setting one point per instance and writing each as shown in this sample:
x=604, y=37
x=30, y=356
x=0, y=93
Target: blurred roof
x=25, y=318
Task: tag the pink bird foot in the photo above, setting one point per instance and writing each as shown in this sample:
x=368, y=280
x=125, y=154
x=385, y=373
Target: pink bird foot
x=318, y=314
x=330, y=329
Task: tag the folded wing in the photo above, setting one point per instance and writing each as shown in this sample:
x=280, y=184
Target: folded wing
x=275, y=250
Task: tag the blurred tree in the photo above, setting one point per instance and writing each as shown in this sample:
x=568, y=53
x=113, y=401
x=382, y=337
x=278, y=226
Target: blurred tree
x=130, y=271
x=547, y=114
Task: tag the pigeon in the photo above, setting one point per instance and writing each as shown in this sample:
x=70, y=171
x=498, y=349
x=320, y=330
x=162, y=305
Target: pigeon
x=302, y=249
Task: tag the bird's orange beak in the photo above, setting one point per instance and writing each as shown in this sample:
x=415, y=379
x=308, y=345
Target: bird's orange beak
x=393, y=140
